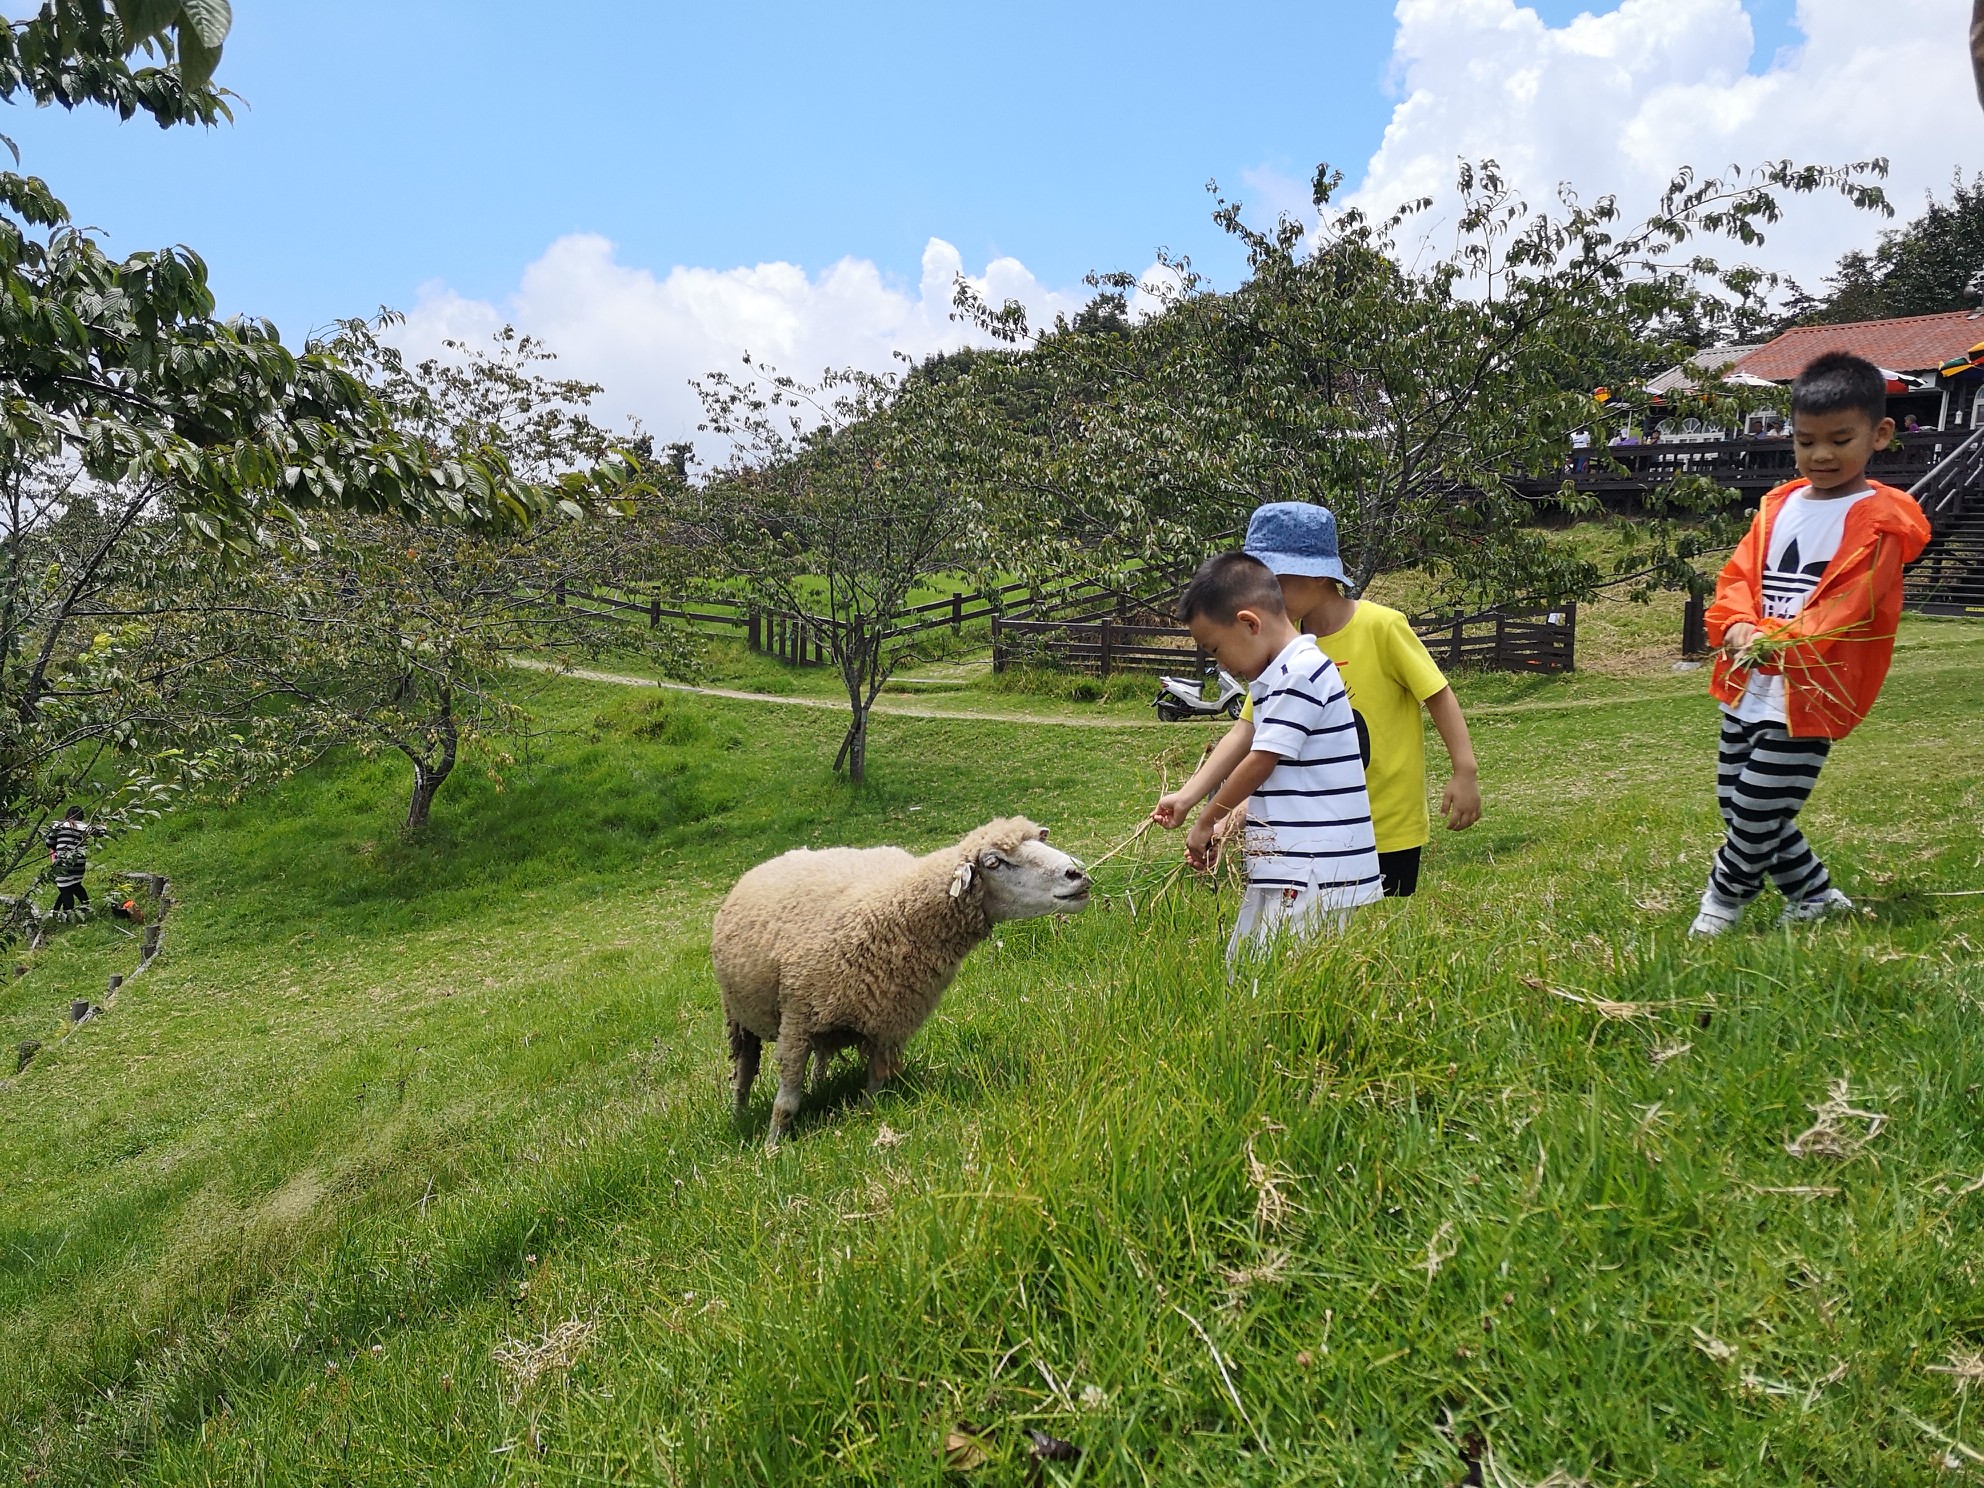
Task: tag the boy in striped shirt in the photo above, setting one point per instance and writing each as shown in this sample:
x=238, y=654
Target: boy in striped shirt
x=1311, y=854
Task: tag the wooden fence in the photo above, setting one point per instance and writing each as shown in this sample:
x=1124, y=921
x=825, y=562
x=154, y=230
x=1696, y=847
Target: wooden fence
x=1077, y=625
x=1504, y=640
x=802, y=639
x=1103, y=646
x=1500, y=640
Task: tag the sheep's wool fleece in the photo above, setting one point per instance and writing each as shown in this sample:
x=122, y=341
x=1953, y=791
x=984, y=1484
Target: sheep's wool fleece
x=852, y=941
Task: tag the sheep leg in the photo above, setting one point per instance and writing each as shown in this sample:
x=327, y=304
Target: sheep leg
x=745, y=1049
x=822, y=1057
x=884, y=1064
x=794, y=1048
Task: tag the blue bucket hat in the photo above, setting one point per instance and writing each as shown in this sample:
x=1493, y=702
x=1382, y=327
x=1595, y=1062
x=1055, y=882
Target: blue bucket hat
x=1296, y=537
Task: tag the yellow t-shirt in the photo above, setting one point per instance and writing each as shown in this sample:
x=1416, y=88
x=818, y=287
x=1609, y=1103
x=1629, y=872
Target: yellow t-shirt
x=1388, y=674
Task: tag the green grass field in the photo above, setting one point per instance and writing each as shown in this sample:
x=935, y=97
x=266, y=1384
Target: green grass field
x=411, y=1161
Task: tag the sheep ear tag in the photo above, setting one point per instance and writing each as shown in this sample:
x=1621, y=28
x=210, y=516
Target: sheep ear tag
x=960, y=880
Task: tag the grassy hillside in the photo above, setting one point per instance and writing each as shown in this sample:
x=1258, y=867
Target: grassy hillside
x=411, y=1161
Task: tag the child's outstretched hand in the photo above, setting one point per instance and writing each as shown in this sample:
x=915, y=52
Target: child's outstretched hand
x=1201, y=843
x=1170, y=811
x=1460, y=802
x=1737, y=637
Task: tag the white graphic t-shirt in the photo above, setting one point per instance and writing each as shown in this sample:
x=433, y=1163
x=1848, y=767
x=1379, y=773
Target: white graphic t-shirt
x=1803, y=540
x=1309, y=823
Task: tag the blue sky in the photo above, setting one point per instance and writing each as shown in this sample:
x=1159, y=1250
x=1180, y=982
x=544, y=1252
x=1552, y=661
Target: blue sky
x=378, y=146
x=631, y=181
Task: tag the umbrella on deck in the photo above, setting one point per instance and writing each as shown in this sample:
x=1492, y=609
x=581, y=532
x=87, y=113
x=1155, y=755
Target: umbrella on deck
x=1960, y=364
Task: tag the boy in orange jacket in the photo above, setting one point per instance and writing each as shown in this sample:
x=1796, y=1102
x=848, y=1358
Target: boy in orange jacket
x=1805, y=615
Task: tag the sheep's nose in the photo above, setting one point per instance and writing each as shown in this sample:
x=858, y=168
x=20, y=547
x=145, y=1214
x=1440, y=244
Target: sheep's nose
x=1075, y=875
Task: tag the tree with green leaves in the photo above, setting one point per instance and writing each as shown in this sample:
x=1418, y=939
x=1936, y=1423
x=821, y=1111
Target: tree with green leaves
x=834, y=503
x=142, y=435
x=72, y=52
x=1929, y=265
x=422, y=639
x=1415, y=395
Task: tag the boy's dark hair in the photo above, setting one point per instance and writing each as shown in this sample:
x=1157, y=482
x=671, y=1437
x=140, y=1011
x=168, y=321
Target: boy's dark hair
x=75, y=814
x=1838, y=382
x=1226, y=584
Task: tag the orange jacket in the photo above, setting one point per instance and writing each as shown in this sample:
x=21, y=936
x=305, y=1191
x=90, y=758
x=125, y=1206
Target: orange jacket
x=1845, y=634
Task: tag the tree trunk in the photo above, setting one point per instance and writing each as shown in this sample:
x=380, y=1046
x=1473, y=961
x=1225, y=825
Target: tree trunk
x=429, y=775
x=426, y=782
x=854, y=747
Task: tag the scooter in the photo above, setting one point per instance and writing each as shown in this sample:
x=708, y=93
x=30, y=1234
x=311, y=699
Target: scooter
x=1185, y=697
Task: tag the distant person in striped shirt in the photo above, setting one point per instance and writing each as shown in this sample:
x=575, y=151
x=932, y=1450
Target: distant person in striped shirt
x=69, y=857
x=1311, y=854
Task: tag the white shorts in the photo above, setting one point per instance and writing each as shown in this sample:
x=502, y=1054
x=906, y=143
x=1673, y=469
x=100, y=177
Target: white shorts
x=1271, y=915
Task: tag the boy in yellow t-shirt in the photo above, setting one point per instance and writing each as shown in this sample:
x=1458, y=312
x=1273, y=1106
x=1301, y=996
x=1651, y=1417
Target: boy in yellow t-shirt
x=1389, y=675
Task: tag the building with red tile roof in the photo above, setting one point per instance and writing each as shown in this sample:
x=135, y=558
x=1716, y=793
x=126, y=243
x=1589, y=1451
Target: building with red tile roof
x=1914, y=343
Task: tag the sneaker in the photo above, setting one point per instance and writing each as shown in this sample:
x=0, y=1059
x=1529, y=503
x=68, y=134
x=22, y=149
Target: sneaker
x=1803, y=911
x=1717, y=915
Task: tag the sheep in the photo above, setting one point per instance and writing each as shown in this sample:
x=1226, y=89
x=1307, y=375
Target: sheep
x=823, y=950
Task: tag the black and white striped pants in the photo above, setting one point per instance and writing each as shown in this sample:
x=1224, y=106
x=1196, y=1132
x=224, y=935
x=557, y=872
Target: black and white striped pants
x=1762, y=778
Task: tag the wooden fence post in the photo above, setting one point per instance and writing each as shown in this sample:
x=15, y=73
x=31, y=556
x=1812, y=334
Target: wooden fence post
x=1453, y=650
x=654, y=614
x=751, y=623
x=998, y=650
x=957, y=613
x=1107, y=636
x=1501, y=642
x=558, y=590
x=1571, y=636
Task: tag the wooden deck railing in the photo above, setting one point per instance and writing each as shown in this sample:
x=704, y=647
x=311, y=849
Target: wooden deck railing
x=1749, y=465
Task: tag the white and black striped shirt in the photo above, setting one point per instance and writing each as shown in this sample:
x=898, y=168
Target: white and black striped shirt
x=1309, y=824
x=68, y=850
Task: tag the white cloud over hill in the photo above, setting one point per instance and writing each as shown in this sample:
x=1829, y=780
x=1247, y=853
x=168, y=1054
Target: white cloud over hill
x=643, y=335
x=1609, y=102
x=1614, y=102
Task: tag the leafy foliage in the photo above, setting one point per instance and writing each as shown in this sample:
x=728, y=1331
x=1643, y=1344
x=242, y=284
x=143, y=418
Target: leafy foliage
x=118, y=691
x=1412, y=397
x=73, y=52
x=834, y=503
x=1930, y=264
x=388, y=635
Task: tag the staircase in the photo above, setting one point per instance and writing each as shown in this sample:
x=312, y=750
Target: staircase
x=1948, y=579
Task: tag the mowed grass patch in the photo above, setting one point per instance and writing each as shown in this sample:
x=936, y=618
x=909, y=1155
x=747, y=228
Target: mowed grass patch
x=412, y=1159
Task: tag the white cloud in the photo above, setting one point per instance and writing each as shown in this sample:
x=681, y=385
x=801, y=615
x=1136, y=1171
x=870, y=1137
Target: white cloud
x=643, y=336
x=1615, y=102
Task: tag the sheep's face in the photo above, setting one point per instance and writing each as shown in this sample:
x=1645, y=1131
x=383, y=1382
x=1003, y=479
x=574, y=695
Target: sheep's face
x=1023, y=881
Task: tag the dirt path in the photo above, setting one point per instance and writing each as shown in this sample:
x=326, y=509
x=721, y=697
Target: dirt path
x=898, y=709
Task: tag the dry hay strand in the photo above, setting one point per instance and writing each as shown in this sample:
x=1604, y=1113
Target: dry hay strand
x=1435, y=1256
x=556, y=1351
x=1123, y=846
x=1964, y=1370
x=1829, y=1135
x=1272, y=1271
x=1714, y=1347
x=1605, y=1007
x=1658, y=1057
x=1492, y=1472
x=1271, y=1206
